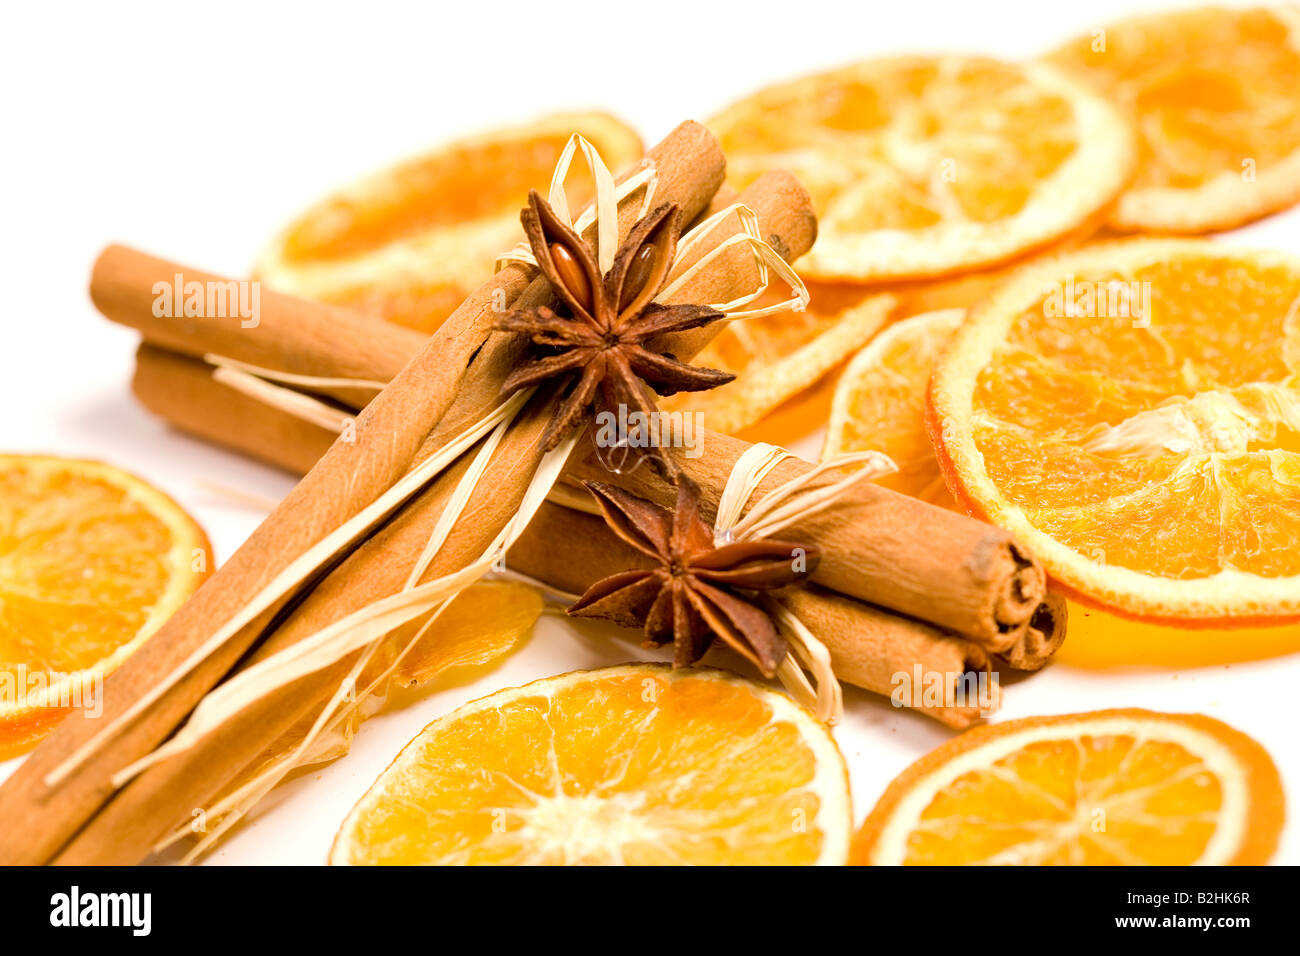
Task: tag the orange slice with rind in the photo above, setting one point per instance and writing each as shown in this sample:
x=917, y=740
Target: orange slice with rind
x=637, y=764
x=1112, y=787
x=93, y=560
x=1213, y=95
x=921, y=167
x=409, y=243
x=880, y=403
x=1149, y=456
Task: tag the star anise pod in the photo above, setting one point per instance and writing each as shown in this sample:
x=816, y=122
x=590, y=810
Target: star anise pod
x=602, y=329
x=696, y=591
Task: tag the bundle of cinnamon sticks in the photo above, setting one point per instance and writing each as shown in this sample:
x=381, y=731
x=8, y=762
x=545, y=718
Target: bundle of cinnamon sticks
x=926, y=564
x=978, y=593
x=885, y=553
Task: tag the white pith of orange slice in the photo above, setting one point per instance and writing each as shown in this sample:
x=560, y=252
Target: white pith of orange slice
x=921, y=167
x=1112, y=787
x=638, y=764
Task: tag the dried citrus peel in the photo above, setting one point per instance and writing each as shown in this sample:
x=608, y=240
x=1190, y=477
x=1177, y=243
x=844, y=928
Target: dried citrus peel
x=587, y=768
x=1120, y=786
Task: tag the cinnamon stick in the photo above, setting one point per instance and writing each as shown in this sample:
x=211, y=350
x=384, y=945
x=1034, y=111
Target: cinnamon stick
x=424, y=400
x=148, y=806
x=288, y=334
x=182, y=391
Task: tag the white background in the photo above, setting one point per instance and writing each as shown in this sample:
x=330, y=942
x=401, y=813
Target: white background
x=196, y=133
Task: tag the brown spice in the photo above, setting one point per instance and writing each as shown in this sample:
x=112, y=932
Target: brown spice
x=696, y=590
x=602, y=334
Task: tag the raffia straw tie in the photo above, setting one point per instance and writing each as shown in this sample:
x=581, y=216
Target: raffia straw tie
x=291, y=378
x=229, y=810
x=781, y=507
x=362, y=630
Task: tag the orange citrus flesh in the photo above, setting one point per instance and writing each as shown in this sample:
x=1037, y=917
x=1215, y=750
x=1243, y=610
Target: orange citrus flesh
x=1108, y=788
x=1213, y=94
x=410, y=243
x=928, y=166
x=777, y=359
x=1149, y=456
x=880, y=403
x=637, y=764
x=92, y=561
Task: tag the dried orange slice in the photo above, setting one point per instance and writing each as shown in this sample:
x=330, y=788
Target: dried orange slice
x=1213, y=92
x=880, y=403
x=410, y=243
x=1132, y=414
x=928, y=166
x=1108, y=788
x=484, y=622
x=92, y=561
x=777, y=358
x=637, y=764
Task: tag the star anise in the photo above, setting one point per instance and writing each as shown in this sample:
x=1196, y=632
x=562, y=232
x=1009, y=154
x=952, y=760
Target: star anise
x=697, y=591
x=602, y=330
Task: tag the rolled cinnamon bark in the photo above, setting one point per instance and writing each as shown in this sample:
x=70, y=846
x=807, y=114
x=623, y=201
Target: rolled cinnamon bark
x=181, y=391
x=870, y=647
x=430, y=398
x=1044, y=636
x=162, y=796
x=287, y=334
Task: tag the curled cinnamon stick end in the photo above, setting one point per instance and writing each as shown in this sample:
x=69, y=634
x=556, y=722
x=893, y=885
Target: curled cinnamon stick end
x=1042, y=638
x=1014, y=585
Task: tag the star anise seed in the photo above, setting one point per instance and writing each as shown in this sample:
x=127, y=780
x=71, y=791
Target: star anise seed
x=695, y=591
x=603, y=329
